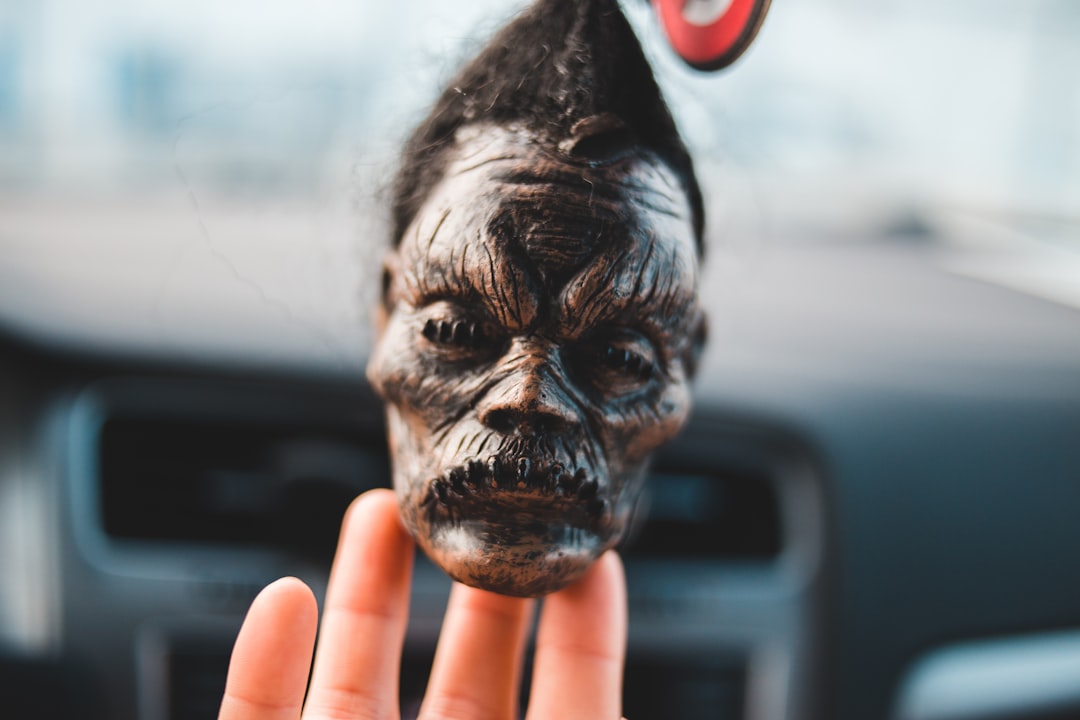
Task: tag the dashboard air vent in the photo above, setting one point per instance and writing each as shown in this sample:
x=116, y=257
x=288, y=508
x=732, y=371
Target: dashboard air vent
x=230, y=482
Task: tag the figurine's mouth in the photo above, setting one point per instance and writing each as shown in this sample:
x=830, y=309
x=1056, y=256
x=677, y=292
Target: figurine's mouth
x=528, y=488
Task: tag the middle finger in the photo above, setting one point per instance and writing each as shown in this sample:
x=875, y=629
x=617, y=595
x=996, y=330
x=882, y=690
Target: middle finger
x=478, y=661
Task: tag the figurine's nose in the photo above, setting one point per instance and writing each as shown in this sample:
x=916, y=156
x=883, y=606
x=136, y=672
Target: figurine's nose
x=529, y=400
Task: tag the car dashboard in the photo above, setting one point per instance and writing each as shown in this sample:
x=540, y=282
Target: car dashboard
x=848, y=511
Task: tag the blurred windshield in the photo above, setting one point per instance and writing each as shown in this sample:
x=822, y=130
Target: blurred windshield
x=257, y=137
x=971, y=101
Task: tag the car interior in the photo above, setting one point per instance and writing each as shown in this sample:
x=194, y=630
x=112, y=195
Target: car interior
x=872, y=514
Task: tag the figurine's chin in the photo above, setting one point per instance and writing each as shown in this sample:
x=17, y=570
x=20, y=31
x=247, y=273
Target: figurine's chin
x=525, y=560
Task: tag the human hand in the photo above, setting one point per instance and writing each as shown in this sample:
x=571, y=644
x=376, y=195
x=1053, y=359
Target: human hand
x=578, y=665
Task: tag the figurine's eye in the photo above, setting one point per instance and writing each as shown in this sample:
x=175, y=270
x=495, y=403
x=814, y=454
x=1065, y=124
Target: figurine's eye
x=621, y=359
x=615, y=362
x=457, y=335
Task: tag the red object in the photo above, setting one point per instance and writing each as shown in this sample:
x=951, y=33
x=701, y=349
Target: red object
x=720, y=42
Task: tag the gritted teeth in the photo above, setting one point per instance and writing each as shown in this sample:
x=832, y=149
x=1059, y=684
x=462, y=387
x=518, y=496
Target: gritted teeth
x=568, y=484
x=457, y=478
x=523, y=474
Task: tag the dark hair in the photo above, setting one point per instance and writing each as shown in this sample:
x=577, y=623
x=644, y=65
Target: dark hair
x=571, y=71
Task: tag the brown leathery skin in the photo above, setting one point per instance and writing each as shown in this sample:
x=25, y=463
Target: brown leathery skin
x=539, y=325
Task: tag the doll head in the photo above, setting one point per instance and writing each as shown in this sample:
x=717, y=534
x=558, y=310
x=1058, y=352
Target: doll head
x=539, y=321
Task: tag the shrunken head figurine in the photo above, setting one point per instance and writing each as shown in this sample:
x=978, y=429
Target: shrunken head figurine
x=539, y=322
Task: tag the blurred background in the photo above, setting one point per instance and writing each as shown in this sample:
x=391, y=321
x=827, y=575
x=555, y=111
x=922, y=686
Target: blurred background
x=158, y=160
x=872, y=513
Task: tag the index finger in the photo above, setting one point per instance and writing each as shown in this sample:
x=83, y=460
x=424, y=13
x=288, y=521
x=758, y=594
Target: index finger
x=367, y=608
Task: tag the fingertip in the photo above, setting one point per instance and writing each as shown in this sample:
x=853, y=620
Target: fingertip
x=375, y=511
x=290, y=596
x=272, y=654
x=290, y=590
x=286, y=598
x=373, y=562
x=603, y=584
x=609, y=570
x=376, y=497
x=377, y=501
x=590, y=614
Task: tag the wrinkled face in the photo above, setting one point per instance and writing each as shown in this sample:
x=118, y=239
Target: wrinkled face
x=540, y=320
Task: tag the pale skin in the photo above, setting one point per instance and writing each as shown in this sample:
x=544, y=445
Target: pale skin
x=578, y=662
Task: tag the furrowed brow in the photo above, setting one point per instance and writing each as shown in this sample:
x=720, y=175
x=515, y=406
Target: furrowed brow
x=642, y=294
x=474, y=276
